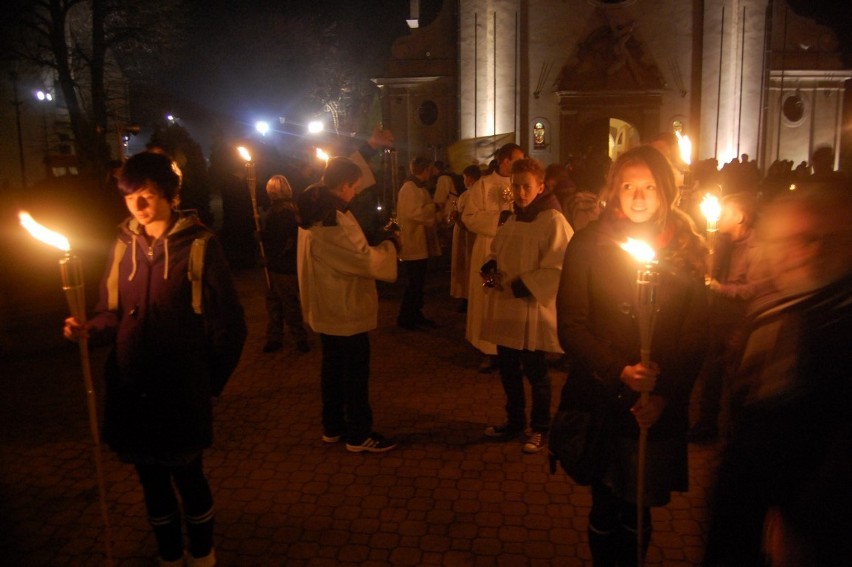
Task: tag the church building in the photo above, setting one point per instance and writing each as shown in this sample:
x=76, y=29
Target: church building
x=572, y=78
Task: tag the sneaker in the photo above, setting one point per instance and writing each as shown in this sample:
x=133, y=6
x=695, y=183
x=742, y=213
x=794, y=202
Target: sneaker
x=504, y=431
x=375, y=443
x=330, y=438
x=272, y=346
x=535, y=442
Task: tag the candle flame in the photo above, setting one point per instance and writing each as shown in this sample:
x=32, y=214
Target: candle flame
x=322, y=155
x=641, y=251
x=710, y=208
x=44, y=234
x=244, y=153
x=685, y=146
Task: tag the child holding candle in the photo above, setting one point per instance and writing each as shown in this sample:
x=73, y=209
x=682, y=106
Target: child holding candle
x=520, y=309
x=174, y=350
x=597, y=327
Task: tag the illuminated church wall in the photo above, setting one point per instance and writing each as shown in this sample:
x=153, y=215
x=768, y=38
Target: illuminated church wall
x=568, y=64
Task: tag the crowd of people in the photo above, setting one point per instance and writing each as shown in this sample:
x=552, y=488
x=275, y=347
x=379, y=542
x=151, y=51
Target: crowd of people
x=758, y=316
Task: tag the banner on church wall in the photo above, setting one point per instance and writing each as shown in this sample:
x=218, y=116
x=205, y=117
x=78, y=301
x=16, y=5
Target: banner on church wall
x=476, y=151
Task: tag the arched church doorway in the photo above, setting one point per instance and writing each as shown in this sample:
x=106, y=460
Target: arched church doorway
x=600, y=140
x=622, y=136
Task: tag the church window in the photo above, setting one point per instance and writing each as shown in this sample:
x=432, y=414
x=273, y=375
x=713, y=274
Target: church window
x=539, y=136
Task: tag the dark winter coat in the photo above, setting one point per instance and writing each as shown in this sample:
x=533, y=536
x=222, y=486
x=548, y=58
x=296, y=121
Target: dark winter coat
x=167, y=362
x=791, y=442
x=599, y=332
x=280, y=236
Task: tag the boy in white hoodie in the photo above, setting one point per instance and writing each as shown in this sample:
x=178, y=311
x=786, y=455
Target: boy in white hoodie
x=337, y=271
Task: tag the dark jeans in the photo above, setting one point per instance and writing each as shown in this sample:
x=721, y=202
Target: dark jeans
x=345, y=386
x=412, y=299
x=612, y=529
x=513, y=365
x=164, y=512
x=282, y=306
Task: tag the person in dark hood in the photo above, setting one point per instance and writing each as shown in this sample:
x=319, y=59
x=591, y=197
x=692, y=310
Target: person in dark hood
x=522, y=276
x=169, y=308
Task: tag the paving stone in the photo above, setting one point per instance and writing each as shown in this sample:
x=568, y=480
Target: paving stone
x=446, y=496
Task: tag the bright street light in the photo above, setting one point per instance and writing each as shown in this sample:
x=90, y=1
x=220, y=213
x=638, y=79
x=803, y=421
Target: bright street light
x=41, y=95
x=315, y=127
x=262, y=127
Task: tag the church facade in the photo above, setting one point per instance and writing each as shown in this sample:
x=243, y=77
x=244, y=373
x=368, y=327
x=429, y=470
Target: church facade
x=571, y=78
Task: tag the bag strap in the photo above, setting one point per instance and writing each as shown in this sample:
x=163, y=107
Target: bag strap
x=195, y=269
x=112, y=279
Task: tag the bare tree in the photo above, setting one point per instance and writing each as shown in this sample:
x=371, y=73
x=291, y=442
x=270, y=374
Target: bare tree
x=89, y=49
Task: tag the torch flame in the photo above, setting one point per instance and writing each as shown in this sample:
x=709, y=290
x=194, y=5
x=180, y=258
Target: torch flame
x=322, y=155
x=710, y=208
x=685, y=146
x=244, y=153
x=641, y=251
x=44, y=234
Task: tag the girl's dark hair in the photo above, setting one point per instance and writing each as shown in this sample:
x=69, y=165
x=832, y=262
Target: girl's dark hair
x=339, y=171
x=419, y=164
x=148, y=166
x=318, y=204
x=473, y=172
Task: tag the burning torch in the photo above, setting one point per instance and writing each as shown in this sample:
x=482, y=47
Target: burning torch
x=712, y=210
x=251, y=181
x=71, y=270
x=392, y=164
x=685, y=146
x=321, y=155
x=646, y=314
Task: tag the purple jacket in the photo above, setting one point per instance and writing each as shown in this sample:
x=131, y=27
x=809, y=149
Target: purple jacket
x=167, y=361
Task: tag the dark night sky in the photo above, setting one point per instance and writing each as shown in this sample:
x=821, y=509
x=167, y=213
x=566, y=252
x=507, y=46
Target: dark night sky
x=230, y=65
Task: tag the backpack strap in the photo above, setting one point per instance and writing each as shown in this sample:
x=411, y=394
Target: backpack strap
x=195, y=269
x=112, y=279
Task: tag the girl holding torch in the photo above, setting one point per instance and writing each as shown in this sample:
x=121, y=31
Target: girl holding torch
x=169, y=308
x=597, y=315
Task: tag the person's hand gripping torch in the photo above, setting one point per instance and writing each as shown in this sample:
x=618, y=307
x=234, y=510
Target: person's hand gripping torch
x=646, y=314
x=71, y=270
x=251, y=181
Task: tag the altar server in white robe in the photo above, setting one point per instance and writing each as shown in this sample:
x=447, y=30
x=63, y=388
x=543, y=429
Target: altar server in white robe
x=490, y=197
x=521, y=279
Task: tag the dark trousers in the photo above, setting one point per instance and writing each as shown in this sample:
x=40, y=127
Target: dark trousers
x=612, y=529
x=158, y=485
x=412, y=299
x=282, y=306
x=513, y=365
x=345, y=386
x=721, y=363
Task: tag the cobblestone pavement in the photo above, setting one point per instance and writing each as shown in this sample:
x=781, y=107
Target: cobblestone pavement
x=446, y=496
